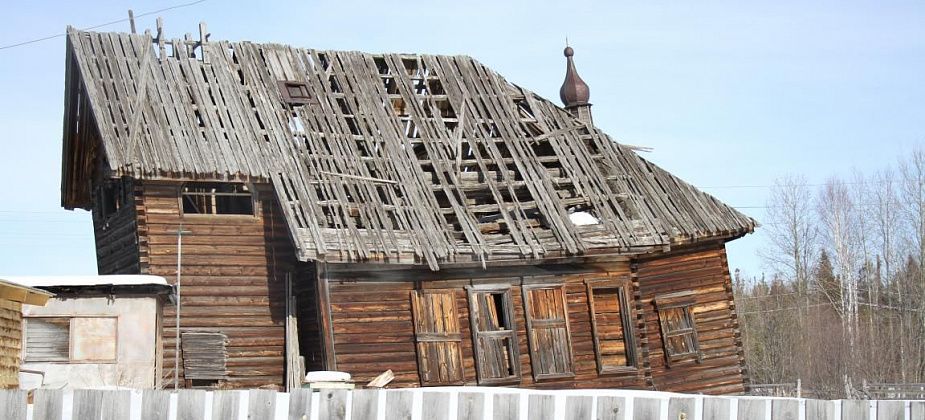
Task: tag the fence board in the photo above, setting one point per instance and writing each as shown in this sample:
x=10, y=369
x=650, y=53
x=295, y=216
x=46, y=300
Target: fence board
x=506, y=407
x=917, y=410
x=855, y=410
x=365, y=405
x=261, y=404
x=891, y=410
x=47, y=404
x=88, y=404
x=681, y=406
x=155, y=405
x=191, y=405
x=578, y=408
x=225, y=404
x=716, y=408
x=647, y=409
x=116, y=405
x=300, y=404
x=436, y=406
x=752, y=409
x=398, y=405
x=13, y=404
x=541, y=407
x=785, y=410
x=611, y=408
x=470, y=406
x=820, y=410
x=333, y=404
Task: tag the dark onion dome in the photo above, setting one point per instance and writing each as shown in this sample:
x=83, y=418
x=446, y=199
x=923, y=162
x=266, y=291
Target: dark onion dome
x=574, y=91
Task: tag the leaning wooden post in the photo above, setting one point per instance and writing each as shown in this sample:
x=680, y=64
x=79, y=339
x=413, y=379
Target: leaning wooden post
x=162, y=50
x=203, y=37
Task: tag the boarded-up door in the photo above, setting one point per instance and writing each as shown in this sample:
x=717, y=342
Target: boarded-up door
x=436, y=330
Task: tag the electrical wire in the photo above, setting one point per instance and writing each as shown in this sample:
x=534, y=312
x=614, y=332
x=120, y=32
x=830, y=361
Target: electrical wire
x=46, y=38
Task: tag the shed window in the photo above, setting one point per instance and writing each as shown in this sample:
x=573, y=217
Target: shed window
x=294, y=92
x=78, y=340
x=494, y=335
x=548, y=331
x=217, y=199
x=436, y=332
x=612, y=324
x=679, y=332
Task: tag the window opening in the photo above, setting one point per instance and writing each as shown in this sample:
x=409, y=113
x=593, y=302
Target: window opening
x=217, y=199
x=294, y=92
x=438, y=338
x=679, y=332
x=612, y=324
x=548, y=331
x=494, y=335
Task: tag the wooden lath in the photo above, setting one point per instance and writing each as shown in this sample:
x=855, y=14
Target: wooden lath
x=394, y=158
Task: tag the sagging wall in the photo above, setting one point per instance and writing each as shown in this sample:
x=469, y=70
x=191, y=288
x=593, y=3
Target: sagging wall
x=136, y=343
x=10, y=343
x=116, y=234
x=233, y=280
x=704, y=271
x=373, y=328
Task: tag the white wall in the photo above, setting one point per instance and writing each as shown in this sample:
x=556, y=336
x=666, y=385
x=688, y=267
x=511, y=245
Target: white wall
x=136, y=346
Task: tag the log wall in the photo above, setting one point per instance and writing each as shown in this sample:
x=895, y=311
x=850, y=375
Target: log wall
x=117, y=238
x=373, y=329
x=704, y=271
x=234, y=270
x=10, y=343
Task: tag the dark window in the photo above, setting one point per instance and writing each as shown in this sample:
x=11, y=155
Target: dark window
x=111, y=196
x=679, y=332
x=294, y=92
x=216, y=199
x=612, y=324
x=494, y=335
x=548, y=331
x=439, y=342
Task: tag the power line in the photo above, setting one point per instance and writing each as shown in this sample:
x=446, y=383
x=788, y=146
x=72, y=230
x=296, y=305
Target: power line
x=46, y=38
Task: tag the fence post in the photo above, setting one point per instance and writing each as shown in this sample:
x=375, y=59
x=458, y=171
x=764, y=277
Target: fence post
x=681, y=406
x=715, y=408
x=13, y=404
x=541, y=407
x=578, y=407
x=785, y=409
x=891, y=410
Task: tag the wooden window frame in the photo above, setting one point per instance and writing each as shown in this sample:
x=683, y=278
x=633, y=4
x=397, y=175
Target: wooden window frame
x=624, y=286
x=511, y=334
x=531, y=324
x=251, y=193
x=683, y=301
x=70, y=341
x=421, y=337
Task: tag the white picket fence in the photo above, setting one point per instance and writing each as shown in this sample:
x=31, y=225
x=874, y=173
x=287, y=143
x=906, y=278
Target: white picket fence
x=451, y=403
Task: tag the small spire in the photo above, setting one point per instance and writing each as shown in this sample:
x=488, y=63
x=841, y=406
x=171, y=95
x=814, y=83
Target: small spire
x=574, y=91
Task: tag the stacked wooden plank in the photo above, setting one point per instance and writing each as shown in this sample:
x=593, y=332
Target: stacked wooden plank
x=204, y=355
x=392, y=158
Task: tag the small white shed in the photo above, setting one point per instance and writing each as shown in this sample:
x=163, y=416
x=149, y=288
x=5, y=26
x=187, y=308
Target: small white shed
x=98, y=331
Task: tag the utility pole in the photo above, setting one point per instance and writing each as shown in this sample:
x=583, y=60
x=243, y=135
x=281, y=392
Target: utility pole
x=176, y=353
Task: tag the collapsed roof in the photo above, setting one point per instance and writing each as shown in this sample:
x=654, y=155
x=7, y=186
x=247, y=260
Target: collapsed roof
x=397, y=158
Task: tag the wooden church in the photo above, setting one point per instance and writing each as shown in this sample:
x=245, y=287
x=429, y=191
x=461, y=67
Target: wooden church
x=357, y=212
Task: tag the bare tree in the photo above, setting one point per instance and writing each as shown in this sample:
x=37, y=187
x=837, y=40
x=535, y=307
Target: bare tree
x=791, y=230
x=836, y=211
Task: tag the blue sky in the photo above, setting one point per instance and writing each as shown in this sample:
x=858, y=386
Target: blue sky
x=728, y=94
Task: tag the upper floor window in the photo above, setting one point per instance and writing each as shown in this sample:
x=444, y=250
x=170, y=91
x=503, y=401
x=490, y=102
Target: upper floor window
x=612, y=324
x=294, y=92
x=679, y=332
x=216, y=198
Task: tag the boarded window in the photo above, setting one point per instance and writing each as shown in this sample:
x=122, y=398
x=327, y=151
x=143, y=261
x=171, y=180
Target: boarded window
x=494, y=335
x=679, y=332
x=216, y=199
x=612, y=324
x=93, y=339
x=47, y=339
x=79, y=340
x=548, y=331
x=436, y=331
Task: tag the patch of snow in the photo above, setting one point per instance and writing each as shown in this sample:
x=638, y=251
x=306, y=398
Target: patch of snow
x=71, y=281
x=583, y=218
